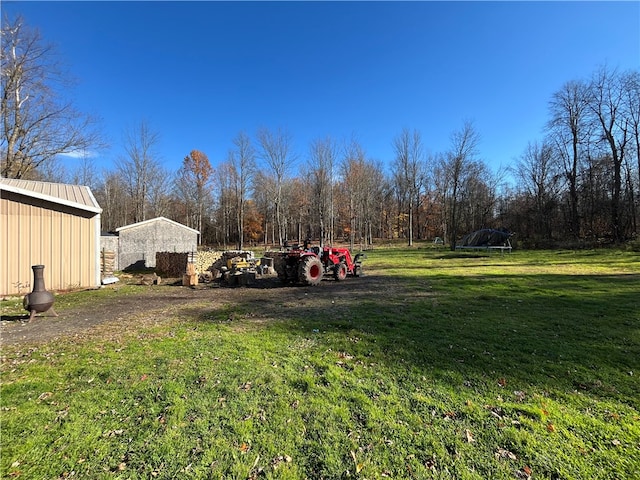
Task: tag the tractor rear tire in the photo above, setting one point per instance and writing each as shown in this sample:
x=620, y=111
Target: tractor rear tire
x=340, y=272
x=310, y=270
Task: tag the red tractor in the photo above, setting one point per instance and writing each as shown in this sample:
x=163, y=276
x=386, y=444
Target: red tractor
x=308, y=265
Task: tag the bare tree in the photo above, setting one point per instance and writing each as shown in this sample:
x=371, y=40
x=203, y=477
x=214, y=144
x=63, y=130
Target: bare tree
x=242, y=161
x=538, y=177
x=351, y=173
x=112, y=197
x=408, y=169
x=631, y=82
x=296, y=208
x=264, y=188
x=477, y=197
x=37, y=123
x=226, y=204
x=276, y=151
x=606, y=104
x=193, y=184
x=374, y=188
x=440, y=186
x=53, y=170
x=85, y=172
x=140, y=169
x=457, y=165
x=160, y=198
x=361, y=189
x=569, y=128
x=322, y=155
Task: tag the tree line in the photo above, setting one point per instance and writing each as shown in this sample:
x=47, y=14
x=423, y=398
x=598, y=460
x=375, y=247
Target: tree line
x=580, y=184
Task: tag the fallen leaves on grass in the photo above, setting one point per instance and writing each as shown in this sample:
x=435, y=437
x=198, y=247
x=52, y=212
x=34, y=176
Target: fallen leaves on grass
x=45, y=395
x=431, y=464
x=524, y=473
x=504, y=453
x=468, y=436
x=62, y=413
x=359, y=466
x=279, y=460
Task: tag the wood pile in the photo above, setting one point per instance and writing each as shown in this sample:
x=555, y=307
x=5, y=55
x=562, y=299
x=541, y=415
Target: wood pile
x=107, y=263
x=190, y=278
x=202, y=266
x=171, y=264
x=205, y=260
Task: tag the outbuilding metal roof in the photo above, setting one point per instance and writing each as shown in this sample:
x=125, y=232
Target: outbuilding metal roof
x=154, y=220
x=77, y=196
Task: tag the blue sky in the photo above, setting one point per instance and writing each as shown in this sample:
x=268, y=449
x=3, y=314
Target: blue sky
x=201, y=72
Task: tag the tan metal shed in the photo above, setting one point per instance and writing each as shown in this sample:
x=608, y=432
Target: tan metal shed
x=51, y=224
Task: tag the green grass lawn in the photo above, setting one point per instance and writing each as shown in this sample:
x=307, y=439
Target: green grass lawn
x=453, y=365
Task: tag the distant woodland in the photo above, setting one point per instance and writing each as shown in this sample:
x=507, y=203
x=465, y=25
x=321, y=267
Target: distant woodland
x=577, y=186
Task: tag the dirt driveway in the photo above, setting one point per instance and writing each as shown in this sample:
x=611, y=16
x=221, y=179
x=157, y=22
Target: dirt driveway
x=155, y=304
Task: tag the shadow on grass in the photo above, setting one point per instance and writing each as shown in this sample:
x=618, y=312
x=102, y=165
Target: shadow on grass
x=569, y=332
x=15, y=318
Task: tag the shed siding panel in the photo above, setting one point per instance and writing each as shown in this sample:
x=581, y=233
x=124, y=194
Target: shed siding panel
x=4, y=244
x=72, y=253
x=83, y=247
x=47, y=222
x=24, y=235
x=91, y=272
x=18, y=275
x=56, y=236
x=62, y=251
x=13, y=279
x=37, y=240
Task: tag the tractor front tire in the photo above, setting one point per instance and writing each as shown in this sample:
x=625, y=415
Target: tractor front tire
x=280, y=266
x=357, y=271
x=310, y=270
x=340, y=272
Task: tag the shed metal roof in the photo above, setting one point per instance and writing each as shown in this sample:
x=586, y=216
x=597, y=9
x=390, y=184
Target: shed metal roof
x=153, y=220
x=77, y=196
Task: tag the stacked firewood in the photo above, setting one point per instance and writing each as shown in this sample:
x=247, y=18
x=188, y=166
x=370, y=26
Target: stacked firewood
x=203, y=265
x=205, y=260
x=171, y=264
x=107, y=263
x=190, y=278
